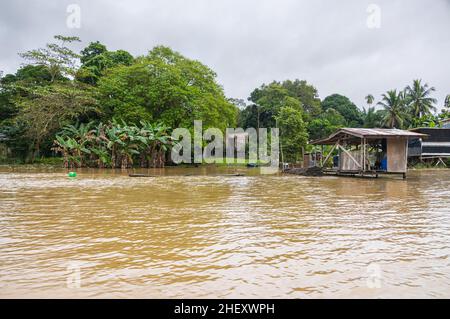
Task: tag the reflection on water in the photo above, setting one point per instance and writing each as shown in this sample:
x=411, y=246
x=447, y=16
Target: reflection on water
x=196, y=233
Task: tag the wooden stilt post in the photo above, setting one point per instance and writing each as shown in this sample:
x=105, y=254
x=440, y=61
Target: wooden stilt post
x=321, y=157
x=364, y=154
x=361, y=154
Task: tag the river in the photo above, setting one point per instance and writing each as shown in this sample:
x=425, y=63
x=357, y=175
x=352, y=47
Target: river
x=196, y=233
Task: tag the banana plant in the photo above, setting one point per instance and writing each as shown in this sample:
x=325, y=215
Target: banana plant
x=72, y=150
x=115, y=144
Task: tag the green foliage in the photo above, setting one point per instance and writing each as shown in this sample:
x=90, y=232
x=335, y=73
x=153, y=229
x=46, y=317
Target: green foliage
x=418, y=99
x=270, y=98
x=325, y=124
x=373, y=118
x=95, y=59
x=428, y=120
x=168, y=87
x=409, y=108
x=115, y=144
x=345, y=107
x=293, y=133
x=51, y=107
x=393, y=103
x=60, y=87
x=58, y=58
x=306, y=94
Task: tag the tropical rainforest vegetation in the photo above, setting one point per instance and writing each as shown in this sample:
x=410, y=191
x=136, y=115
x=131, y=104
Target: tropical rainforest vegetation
x=102, y=108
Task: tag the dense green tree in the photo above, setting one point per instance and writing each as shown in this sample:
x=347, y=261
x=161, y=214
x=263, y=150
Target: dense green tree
x=166, y=86
x=93, y=50
x=248, y=117
x=293, y=133
x=7, y=108
x=45, y=97
x=268, y=100
x=95, y=59
x=305, y=93
x=345, y=107
x=49, y=109
x=325, y=124
x=21, y=85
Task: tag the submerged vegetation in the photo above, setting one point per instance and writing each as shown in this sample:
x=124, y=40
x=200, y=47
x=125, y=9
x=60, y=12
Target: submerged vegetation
x=102, y=108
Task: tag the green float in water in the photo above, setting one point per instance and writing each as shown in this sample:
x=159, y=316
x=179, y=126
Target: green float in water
x=72, y=174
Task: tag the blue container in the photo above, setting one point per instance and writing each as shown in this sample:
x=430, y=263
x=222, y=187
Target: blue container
x=384, y=164
x=336, y=161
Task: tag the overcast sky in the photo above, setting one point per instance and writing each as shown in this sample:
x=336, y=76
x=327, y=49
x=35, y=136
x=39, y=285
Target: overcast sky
x=250, y=42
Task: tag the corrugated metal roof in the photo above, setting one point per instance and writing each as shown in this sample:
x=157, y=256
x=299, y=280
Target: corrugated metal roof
x=368, y=133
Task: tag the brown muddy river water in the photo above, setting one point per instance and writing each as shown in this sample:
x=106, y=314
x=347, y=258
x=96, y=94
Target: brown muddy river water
x=105, y=234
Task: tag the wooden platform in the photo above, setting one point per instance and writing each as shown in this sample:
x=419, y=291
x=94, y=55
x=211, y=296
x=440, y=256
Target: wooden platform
x=365, y=174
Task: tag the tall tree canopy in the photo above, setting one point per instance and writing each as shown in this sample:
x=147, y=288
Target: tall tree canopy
x=345, y=107
x=325, y=124
x=166, y=86
x=268, y=99
x=57, y=57
x=95, y=59
x=305, y=93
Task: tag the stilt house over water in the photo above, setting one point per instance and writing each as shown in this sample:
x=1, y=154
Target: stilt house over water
x=367, y=152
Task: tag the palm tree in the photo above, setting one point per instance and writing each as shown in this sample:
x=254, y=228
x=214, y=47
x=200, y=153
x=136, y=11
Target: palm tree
x=393, y=104
x=371, y=117
x=369, y=99
x=447, y=102
x=419, y=100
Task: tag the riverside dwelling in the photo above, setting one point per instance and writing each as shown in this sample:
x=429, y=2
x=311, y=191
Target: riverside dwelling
x=366, y=152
